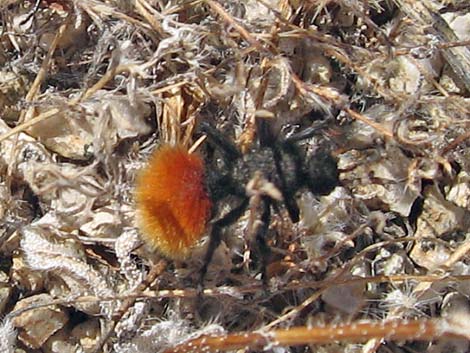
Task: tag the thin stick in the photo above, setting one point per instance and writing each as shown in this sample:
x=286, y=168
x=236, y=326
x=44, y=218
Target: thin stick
x=198, y=143
x=454, y=143
x=34, y=89
x=427, y=329
x=151, y=15
x=334, y=98
x=108, y=76
x=45, y=65
x=22, y=127
x=156, y=271
x=237, y=292
x=230, y=20
x=369, y=122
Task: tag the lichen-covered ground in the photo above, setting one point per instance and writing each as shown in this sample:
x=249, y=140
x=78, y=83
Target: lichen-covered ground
x=89, y=88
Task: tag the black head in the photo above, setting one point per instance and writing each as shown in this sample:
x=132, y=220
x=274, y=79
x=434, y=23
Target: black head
x=322, y=173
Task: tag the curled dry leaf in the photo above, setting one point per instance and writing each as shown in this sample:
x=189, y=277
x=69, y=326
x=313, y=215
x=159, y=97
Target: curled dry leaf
x=439, y=218
x=376, y=179
x=46, y=250
x=101, y=124
x=36, y=326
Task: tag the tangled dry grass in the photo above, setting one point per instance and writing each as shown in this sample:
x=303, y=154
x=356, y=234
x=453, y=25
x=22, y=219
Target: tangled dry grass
x=88, y=89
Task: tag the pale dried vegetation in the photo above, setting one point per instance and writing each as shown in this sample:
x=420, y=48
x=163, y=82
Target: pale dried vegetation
x=88, y=88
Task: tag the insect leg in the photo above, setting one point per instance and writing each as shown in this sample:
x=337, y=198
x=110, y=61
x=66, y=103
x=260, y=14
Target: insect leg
x=260, y=237
x=215, y=236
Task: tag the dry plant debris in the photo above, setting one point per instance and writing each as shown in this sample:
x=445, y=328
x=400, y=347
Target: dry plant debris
x=89, y=88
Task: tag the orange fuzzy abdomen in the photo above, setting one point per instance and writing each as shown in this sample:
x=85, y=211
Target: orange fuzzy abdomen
x=172, y=203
